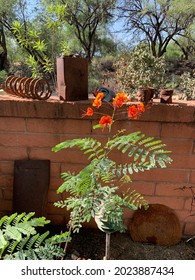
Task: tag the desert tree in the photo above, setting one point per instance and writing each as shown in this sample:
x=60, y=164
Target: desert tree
x=14, y=18
x=3, y=49
x=86, y=17
x=157, y=21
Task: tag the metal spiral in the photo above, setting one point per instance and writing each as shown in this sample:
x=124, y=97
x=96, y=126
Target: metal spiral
x=27, y=87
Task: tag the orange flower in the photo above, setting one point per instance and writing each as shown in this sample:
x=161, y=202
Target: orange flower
x=105, y=121
x=120, y=99
x=99, y=96
x=97, y=103
x=88, y=113
x=141, y=107
x=98, y=100
x=132, y=112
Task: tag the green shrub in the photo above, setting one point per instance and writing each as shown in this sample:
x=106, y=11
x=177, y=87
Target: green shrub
x=140, y=68
x=187, y=84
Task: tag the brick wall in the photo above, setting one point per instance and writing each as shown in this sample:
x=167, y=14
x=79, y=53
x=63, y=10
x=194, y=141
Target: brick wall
x=29, y=129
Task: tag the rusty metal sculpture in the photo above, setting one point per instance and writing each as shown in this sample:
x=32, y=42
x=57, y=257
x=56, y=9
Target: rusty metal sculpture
x=27, y=87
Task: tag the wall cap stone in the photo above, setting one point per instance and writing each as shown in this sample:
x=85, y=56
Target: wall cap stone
x=178, y=111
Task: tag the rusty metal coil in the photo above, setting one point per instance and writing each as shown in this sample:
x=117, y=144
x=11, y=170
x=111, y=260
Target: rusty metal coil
x=27, y=87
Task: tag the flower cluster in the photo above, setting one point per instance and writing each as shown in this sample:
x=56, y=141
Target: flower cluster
x=119, y=100
x=133, y=111
x=98, y=100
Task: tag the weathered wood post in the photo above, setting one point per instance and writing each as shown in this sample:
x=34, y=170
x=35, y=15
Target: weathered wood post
x=72, y=78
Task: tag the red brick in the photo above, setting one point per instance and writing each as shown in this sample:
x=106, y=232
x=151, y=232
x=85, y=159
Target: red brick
x=193, y=150
x=175, y=112
x=92, y=224
x=184, y=216
x=72, y=167
x=178, y=130
x=55, y=183
x=57, y=219
x=183, y=161
x=8, y=194
x=189, y=229
x=13, y=106
x=51, y=209
x=172, y=202
x=101, y=138
x=53, y=196
x=148, y=128
x=65, y=195
x=67, y=155
x=29, y=140
x=127, y=217
x=178, y=146
x=5, y=205
x=59, y=126
x=144, y=188
x=128, y=214
x=6, y=167
x=6, y=180
x=12, y=124
x=162, y=175
x=1, y=194
x=12, y=153
x=189, y=204
x=55, y=170
x=192, y=177
x=169, y=189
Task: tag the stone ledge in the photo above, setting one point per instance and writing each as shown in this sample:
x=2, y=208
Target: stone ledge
x=53, y=108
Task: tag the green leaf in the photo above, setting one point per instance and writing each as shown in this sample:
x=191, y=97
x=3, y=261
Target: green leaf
x=39, y=222
x=18, y=218
x=13, y=233
x=26, y=228
x=3, y=241
x=28, y=216
x=41, y=239
x=2, y=220
x=10, y=219
x=97, y=126
x=57, y=239
x=32, y=241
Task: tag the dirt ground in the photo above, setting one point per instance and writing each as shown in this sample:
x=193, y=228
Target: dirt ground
x=90, y=244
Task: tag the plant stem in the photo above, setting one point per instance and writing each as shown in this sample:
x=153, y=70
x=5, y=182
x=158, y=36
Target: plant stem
x=66, y=244
x=107, y=253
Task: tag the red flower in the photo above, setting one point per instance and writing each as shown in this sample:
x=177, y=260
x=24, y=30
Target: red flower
x=105, y=121
x=132, y=112
x=88, y=113
x=120, y=99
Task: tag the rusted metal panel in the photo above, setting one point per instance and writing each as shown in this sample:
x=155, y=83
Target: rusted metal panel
x=31, y=184
x=72, y=78
x=166, y=96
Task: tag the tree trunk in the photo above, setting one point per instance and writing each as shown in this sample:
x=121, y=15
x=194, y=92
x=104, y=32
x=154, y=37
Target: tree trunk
x=3, y=54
